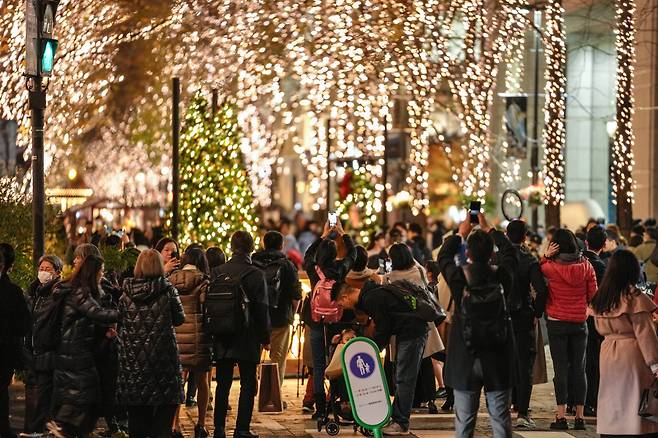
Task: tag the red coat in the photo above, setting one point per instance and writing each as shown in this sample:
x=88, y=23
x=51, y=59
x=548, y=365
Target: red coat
x=571, y=286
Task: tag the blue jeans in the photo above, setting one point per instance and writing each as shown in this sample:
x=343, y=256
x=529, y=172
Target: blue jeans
x=407, y=365
x=467, y=404
x=318, y=350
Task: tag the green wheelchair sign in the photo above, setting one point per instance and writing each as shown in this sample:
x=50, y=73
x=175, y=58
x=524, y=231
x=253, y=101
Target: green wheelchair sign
x=366, y=384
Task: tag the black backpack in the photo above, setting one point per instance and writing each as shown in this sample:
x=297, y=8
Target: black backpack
x=421, y=302
x=47, y=332
x=226, y=309
x=273, y=270
x=484, y=316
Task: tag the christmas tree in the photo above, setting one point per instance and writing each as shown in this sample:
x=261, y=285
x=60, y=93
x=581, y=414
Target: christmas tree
x=359, y=204
x=216, y=199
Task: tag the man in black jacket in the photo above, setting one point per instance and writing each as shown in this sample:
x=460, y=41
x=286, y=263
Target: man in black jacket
x=521, y=306
x=245, y=348
x=391, y=316
x=14, y=325
x=596, y=238
x=468, y=371
x=289, y=291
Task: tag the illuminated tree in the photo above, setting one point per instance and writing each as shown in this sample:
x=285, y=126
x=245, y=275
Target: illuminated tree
x=554, y=134
x=621, y=167
x=216, y=198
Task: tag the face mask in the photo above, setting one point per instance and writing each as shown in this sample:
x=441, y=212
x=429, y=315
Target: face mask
x=45, y=276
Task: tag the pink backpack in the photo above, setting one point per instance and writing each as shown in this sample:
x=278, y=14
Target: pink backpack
x=323, y=308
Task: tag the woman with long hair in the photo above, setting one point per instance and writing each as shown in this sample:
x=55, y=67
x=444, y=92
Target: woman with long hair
x=76, y=384
x=191, y=281
x=629, y=352
x=571, y=286
x=150, y=382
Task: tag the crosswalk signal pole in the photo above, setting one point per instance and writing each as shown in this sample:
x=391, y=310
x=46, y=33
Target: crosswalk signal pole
x=40, y=59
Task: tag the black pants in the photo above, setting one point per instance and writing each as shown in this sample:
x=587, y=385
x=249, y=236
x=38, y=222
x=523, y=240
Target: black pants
x=248, y=389
x=568, y=342
x=6, y=374
x=43, y=405
x=526, y=349
x=594, y=340
x=151, y=421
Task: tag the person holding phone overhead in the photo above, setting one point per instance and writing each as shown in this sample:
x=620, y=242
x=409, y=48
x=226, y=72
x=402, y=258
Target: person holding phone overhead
x=168, y=249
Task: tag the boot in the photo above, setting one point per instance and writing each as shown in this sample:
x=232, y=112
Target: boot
x=320, y=406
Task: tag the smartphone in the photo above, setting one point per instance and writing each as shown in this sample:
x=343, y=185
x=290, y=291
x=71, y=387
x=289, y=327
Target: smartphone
x=333, y=218
x=174, y=255
x=474, y=211
x=389, y=266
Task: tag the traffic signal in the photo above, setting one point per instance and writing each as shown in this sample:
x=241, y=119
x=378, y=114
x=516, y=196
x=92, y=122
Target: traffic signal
x=47, y=55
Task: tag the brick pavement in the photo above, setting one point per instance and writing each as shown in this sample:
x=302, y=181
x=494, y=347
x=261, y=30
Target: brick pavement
x=292, y=423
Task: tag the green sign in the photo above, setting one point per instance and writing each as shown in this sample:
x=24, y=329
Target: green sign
x=366, y=384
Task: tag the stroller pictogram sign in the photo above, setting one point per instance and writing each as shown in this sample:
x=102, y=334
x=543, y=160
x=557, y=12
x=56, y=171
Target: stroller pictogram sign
x=366, y=384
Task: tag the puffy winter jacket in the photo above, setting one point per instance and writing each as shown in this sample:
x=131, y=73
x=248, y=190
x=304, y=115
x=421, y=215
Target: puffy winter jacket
x=38, y=299
x=150, y=371
x=193, y=343
x=75, y=380
x=571, y=286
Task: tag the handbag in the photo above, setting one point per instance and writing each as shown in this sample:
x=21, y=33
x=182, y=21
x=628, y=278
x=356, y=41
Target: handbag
x=431, y=295
x=649, y=403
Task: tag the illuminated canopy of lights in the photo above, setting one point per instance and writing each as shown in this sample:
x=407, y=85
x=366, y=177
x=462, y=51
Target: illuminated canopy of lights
x=554, y=134
x=294, y=69
x=622, y=163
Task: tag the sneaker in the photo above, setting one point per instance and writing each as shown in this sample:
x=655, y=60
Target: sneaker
x=55, y=430
x=559, y=424
x=190, y=402
x=579, y=424
x=432, y=409
x=441, y=393
x=200, y=431
x=394, y=429
x=525, y=423
x=308, y=408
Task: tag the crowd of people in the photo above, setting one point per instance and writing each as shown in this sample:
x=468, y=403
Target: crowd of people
x=457, y=311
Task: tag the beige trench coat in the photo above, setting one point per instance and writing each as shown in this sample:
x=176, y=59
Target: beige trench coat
x=628, y=352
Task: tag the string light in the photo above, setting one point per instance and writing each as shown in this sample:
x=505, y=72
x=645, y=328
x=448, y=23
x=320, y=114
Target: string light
x=621, y=167
x=554, y=136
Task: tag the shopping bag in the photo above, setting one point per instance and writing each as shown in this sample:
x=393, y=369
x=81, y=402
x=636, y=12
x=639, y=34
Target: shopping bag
x=269, y=392
x=539, y=372
x=649, y=403
x=335, y=368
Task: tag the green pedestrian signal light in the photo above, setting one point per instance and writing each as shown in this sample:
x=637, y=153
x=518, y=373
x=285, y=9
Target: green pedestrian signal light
x=48, y=50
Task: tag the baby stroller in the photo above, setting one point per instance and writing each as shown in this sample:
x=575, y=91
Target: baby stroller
x=338, y=412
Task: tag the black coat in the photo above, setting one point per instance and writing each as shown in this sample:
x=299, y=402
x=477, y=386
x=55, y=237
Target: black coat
x=39, y=297
x=499, y=367
x=75, y=380
x=14, y=322
x=598, y=264
x=247, y=345
x=523, y=308
x=291, y=288
x=150, y=371
x=337, y=271
x=390, y=315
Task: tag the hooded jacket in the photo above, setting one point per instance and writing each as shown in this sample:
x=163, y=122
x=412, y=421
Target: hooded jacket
x=193, y=343
x=76, y=380
x=571, y=286
x=150, y=371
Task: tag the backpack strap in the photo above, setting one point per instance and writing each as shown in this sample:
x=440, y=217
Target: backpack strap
x=319, y=272
x=422, y=276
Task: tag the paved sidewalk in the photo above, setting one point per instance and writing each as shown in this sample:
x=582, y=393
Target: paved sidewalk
x=292, y=423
